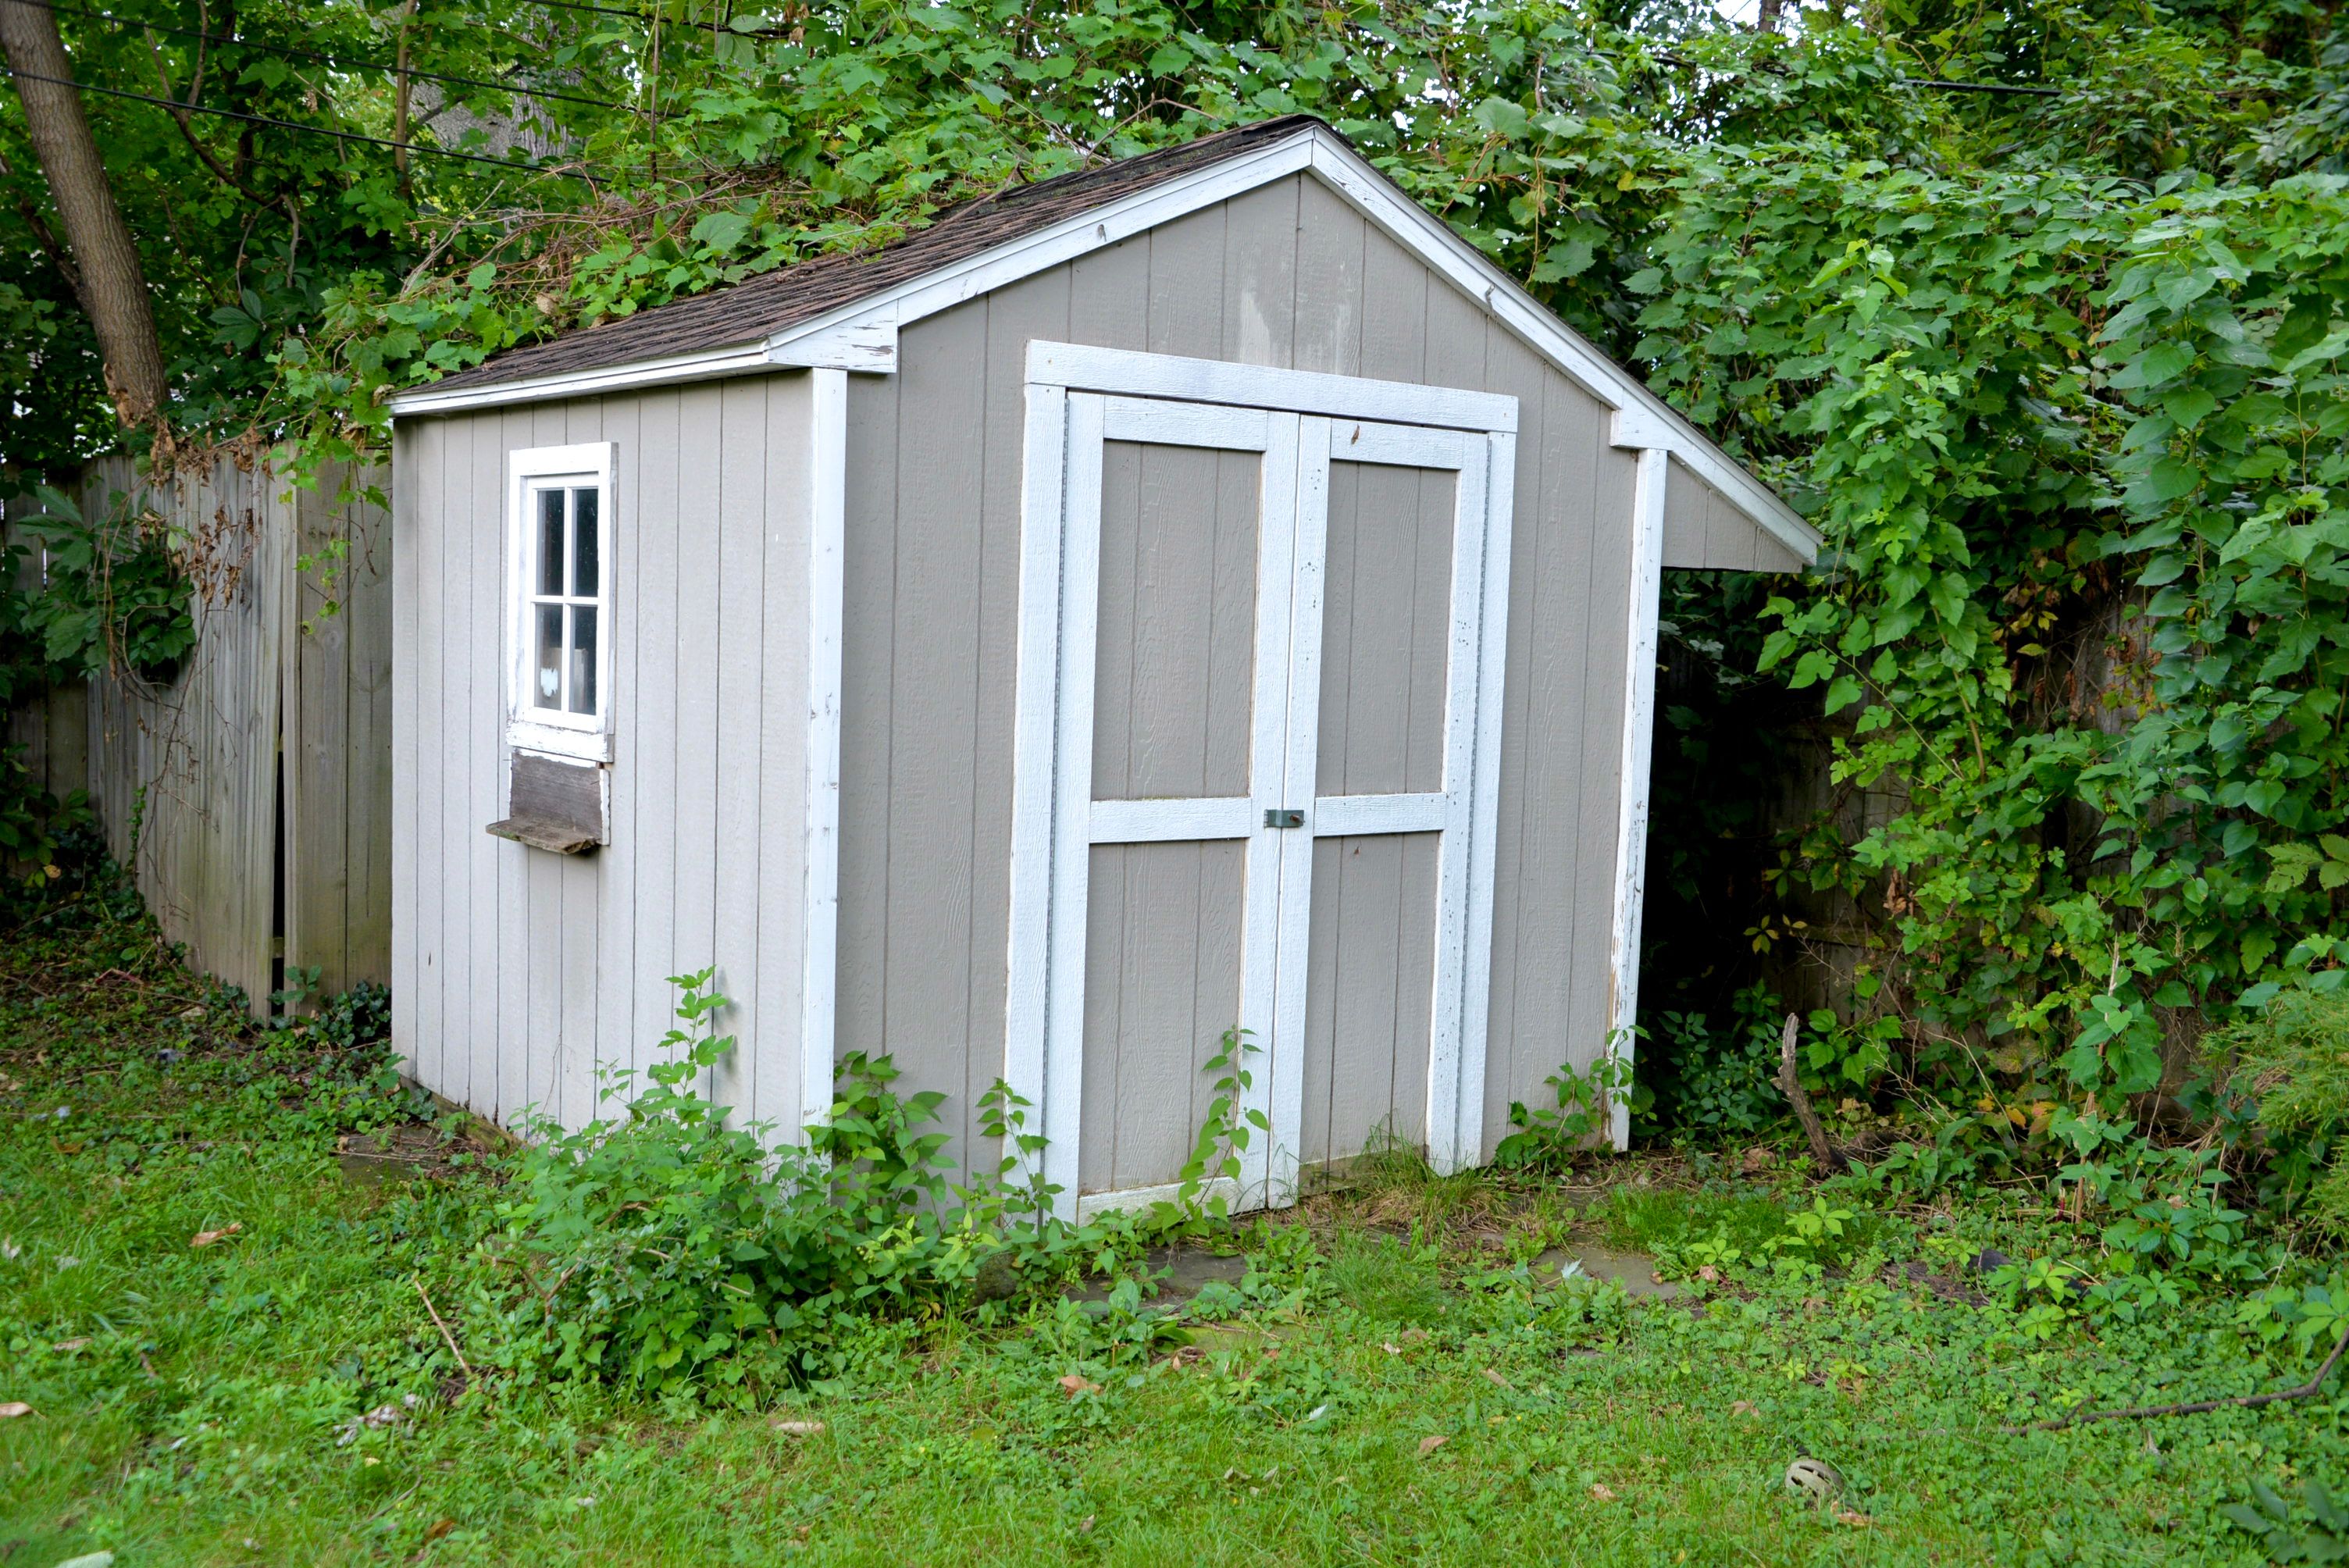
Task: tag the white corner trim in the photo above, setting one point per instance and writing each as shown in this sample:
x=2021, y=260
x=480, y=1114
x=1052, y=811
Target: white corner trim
x=827, y=591
x=868, y=343
x=1645, y=429
x=1636, y=767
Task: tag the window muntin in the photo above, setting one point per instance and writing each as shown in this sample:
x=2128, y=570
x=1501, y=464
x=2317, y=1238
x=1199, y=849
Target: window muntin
x=563, y=610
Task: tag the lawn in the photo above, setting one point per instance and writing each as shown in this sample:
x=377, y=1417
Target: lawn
x=1398, y=1374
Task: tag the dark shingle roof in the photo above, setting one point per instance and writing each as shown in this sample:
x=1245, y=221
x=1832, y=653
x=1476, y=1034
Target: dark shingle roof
x=745, y=312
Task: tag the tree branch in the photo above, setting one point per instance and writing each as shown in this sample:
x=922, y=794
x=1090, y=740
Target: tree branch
x=1790, y=1084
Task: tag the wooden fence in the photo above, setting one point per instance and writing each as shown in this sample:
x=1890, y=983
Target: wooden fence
x=251, y=795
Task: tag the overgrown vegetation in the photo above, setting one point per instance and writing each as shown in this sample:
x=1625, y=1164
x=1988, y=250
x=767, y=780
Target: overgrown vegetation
x=258, y=1310
x=2058, y=369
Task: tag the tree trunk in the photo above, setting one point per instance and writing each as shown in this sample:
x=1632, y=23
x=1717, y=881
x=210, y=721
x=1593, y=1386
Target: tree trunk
x=1769, y=17
x=112, y=284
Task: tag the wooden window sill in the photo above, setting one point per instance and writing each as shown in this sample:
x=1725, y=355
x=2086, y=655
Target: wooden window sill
x=540, y=833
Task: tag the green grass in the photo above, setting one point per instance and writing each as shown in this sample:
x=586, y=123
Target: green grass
x=207, y=1416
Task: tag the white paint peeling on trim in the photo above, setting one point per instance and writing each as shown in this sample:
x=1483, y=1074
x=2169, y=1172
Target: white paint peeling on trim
x=1639, y=744
x=1084, y=368
x=1133, y=1200
x=827, y=592
x=863, y=335
x=738, y=359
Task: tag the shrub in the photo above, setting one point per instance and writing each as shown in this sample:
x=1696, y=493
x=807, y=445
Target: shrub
x=664, y=1248
x=2289, y=1063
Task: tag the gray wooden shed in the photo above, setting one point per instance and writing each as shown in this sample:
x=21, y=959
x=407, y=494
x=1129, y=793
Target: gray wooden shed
x=1195, y=593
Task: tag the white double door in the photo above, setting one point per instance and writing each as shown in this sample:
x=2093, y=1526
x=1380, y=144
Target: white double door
x=1261, y=633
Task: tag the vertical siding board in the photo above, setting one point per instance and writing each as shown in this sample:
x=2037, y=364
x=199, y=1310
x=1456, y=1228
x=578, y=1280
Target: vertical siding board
x=933, y=714
x=1036, y=308
x=1109, y=296
x=704, y=480
x=1595, y=784
x=1512, y=368
x=1157, y=994
x=618, y=978
x=868, y=657
x=440, y=749
x=1331, y=237
x=774, y=1043
x=1340, y=567
x=1319, y=1064
x=570, y=1097
x=1231, y=627
x=740, y=564
x=655, y=720
x=1186, y=283
x=1430, y=623
x=1259, y=312
x=1106, y=952
x=412, y=455
x=1562, y=601
x=1116, y=656
x=1394, y=289
x=529, y=1076
x=1414, y=964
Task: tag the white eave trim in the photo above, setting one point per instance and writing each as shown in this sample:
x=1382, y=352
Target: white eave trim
x=739, y=360
x=862, y=335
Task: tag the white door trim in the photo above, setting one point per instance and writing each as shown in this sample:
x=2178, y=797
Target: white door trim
x=1301, y=421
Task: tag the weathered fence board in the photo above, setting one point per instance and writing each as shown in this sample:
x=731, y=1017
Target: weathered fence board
x=251, y=794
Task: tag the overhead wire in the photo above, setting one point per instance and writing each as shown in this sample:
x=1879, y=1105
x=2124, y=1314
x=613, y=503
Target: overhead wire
x=122, y=24
x=178, y=107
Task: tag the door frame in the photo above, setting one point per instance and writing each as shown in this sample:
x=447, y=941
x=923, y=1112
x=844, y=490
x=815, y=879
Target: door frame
x=1053, y=812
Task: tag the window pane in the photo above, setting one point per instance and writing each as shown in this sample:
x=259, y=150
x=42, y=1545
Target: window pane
x=585, y=582
x=550, y=541
x=583, y=660
x=550, y=657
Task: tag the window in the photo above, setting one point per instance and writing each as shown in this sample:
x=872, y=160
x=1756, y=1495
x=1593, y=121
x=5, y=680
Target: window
x=560, y=558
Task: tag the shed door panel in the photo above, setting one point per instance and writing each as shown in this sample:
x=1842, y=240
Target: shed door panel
x=1369, y=995
x=1386, y=620
x=1386, y=625
x=1162, y=984
x=1257, y=708
x=1173, y=695
x=1174, y=669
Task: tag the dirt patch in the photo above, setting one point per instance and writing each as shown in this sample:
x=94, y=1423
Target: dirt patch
x=1635, y=1271
x=1187, y=1272
x=391, y=1154
x=1947, y=1287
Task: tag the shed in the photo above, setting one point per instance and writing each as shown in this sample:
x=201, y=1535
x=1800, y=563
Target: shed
x=1194, y=593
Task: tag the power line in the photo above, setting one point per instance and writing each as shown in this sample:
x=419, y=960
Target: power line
x=1980, y=86
x=175, y=105
x=582, y=5
x=344, y=63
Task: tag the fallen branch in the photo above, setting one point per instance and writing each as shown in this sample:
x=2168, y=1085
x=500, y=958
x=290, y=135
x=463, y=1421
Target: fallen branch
x=2194, y=1407
x=1790, y=1084
x=445, y=1335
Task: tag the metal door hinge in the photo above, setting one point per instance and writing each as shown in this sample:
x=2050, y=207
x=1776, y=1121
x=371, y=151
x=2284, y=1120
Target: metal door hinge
x=1283, y=817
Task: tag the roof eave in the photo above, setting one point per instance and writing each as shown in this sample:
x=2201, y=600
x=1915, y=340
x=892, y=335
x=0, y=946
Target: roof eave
x=862, y=334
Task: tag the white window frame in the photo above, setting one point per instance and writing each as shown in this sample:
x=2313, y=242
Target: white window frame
x=586, y=737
